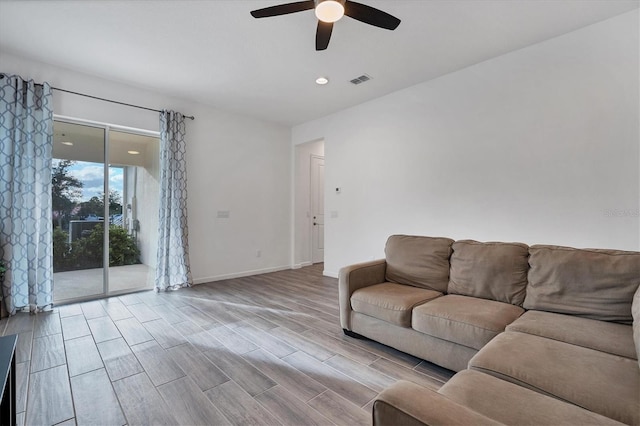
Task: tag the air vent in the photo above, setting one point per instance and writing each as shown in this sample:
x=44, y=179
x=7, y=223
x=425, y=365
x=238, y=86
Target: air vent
x=361, y=79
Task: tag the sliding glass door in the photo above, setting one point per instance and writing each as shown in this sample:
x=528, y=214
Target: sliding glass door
x=102, y=239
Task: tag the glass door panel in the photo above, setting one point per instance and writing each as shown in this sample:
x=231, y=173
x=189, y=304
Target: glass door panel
x=78, y=211
x=133, y=179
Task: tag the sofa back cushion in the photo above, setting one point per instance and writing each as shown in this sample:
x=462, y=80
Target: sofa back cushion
x=591, y=283
x=418, y=261
x=495, y=271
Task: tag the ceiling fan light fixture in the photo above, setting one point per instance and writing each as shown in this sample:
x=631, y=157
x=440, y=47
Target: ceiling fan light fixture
x=322, y=81
x=329, y=10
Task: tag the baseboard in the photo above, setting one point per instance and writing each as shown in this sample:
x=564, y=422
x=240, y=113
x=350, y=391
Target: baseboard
x=240, y=274
x=301, y=265
x=330, y=274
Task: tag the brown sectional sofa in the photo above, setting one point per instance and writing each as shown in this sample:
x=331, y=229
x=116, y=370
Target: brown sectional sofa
x=538, y=335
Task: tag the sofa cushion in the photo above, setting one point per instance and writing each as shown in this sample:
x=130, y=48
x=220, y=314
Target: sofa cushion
x=495, y=271
x=390, y=302
x=610, y=337
x=442, y=352
x=597, y=381
x=635, y=309
x=407, y=404
x=418, y=261
x=468, y=321
x=515, y=405
x=591, y=283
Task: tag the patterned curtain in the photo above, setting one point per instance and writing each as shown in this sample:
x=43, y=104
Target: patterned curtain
x=172, y=271
x=26, y=142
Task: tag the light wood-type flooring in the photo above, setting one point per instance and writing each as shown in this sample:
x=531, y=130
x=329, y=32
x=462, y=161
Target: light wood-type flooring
x=266, y=349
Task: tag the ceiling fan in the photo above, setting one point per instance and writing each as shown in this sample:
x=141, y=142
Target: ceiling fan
x=328, y=12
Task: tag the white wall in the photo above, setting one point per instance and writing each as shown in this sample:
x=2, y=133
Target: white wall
x=539, y=145
x=302, y=191
x=147, y=203
x=235, y=163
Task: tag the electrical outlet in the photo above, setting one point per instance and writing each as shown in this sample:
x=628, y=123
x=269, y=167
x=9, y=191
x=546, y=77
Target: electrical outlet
x=223, y=214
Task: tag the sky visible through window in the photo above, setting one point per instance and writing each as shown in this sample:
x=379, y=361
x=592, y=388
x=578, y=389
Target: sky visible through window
x=92, y=177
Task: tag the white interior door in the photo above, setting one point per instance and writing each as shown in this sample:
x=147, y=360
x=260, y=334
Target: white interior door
x=317, y=209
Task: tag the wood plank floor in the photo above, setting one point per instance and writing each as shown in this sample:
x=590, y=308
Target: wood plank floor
x=266, y=349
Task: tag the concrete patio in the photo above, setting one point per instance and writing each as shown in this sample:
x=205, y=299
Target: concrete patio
x=89, y=282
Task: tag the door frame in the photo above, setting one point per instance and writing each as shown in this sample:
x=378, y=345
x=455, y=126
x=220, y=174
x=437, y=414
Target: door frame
x=311, y=193
x=107, y=127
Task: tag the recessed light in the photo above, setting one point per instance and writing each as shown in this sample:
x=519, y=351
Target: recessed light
x=134, y=152
x=67, y=143
x=322, y=81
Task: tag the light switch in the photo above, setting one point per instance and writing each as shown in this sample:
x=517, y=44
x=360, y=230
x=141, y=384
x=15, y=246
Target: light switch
x=223, y=214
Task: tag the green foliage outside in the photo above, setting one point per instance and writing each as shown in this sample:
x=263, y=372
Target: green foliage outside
x=66, y=195
x=65, y=190
x=61, y=253
x=95, y=206
x=87, y=252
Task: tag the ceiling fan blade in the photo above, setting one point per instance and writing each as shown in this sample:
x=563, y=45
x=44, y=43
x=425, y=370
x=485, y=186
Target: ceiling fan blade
x=323, y=35
x=370, y=15
x=283, y=9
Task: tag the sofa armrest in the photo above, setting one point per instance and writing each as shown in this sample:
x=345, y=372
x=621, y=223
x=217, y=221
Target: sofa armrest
x=407, y=404
x=354, y=277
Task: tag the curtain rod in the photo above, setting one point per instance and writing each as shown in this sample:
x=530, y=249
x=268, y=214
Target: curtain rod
x=191, y=117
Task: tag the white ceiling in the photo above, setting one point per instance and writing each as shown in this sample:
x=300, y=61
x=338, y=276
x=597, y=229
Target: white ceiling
x=215, y=53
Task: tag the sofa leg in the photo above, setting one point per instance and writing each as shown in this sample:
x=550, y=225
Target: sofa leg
x=352, y=334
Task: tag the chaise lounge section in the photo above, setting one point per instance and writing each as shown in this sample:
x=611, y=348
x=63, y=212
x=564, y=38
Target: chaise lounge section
x=539, y=335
